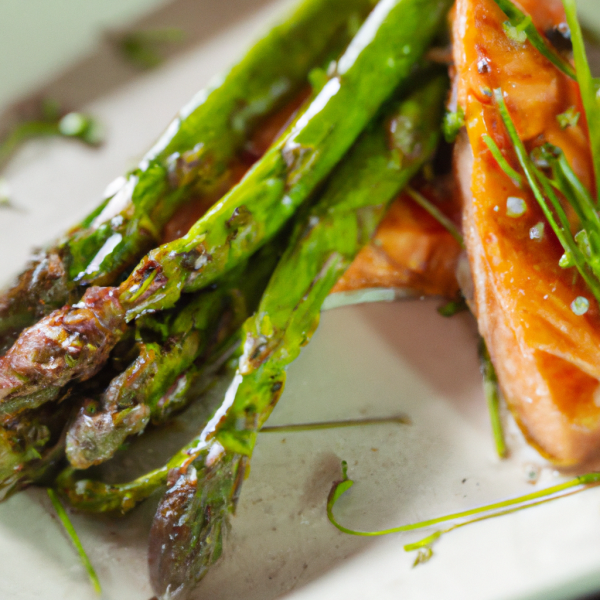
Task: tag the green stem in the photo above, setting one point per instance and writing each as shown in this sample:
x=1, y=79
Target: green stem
x=542, y=189
x=437, y=214
x=502, y=162
x=66, y=522
x=525, y=501
x=333, y=425
x=587, y=86
x=427, y=541
x=492, y=396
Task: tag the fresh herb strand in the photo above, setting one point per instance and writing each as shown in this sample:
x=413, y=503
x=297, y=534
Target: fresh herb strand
x=502, y=162
x=449, y=309
x=66, y=522
x=544, y=194
x=424, y=545
x=569, y=118
x=492, y=396
x=399, y=420
x=522, y=22
x=517, y=33
x=568, y=184
x=587, y=86
x=436, y=213
x=488, y=511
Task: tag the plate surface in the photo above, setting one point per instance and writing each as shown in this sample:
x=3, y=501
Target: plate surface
x=370, y=361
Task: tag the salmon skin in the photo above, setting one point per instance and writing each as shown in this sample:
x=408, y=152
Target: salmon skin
x=547, y=358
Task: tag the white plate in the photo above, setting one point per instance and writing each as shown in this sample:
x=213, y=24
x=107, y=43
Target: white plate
x=374, y=360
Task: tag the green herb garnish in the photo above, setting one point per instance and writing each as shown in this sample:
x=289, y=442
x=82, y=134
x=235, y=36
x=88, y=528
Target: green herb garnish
x=517, y=33
x=492, y=396
x=436, y=213
x=567, y=182
x=399, y=420
x=66, y=522
x=569, y=118
x=588, y=86
x=452, y=308
x=453, y=123
x=523, y=24
x=497, y=154
x=464, y=517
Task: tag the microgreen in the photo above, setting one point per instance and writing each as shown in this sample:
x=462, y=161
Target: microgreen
x=66, y=522
x=398, y=420
x=453, y=123
x=569, y=118
x=522, y=23
x=459, y=519
x=423, y=547
x=492, y=396
x=449, y=309
x=436, y=213
x=502, y=162
x=567, y=183
x=517, y=33
x=588, y=86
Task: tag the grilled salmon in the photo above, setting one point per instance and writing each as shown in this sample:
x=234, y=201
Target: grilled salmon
x=546, y=356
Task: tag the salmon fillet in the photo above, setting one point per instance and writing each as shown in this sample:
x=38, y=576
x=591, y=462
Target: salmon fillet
x=547, y=358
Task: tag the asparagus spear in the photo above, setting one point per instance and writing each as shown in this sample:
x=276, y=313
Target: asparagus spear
x=379, y=58
x=357, y=194
x=148, y=388
x=192, y=157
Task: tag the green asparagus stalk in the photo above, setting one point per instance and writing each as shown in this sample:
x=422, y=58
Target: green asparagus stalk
x=186, y=535
x=191, y=158
x=148, y=388
x=380, y=57
x=371, y=173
